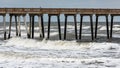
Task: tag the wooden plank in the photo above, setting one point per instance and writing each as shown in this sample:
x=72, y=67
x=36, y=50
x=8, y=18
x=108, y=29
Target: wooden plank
x=59, y=11
x=2, y=11
x=68, y=10
x=34, y=11
x=85, y=11
x=115, y=11
x=101, y=11
x=50, y=10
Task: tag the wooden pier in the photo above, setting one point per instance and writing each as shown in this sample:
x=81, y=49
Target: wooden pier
x=17, y=12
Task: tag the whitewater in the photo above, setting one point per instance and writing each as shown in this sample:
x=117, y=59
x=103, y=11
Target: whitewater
x=21, y=52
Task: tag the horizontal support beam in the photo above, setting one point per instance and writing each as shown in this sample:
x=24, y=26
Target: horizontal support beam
x=58, y=11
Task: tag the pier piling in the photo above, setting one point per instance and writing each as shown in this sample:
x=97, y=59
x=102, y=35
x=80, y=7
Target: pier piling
x=49, y=22
x=10, y=24
x=91, y=25
x=65, y=28
x=19, y=29
x=107, y=24
x=32, y=26
x=4, y=27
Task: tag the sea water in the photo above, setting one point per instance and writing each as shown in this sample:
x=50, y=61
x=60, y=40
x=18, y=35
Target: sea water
x=21, y=52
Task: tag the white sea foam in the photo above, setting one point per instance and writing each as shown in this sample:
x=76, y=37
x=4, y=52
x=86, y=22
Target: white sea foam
x=44, y=44
x=21, y=52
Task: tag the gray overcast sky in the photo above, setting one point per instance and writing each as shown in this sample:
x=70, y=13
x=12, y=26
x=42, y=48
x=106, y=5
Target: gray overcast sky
x=61, y=3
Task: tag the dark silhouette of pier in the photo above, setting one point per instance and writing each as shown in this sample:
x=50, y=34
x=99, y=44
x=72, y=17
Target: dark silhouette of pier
x=17, y=12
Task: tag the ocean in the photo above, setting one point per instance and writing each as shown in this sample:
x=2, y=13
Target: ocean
x=21, y=52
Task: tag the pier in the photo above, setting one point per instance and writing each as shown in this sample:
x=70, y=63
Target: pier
x=39, y=12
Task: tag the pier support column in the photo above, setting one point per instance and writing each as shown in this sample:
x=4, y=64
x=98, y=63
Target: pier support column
x=111, y=26
x=9, y=34
x=32, y=26
x=41, y=25
x=107, y=24
x=75, y=23
x=96, y=26
x=91, y=22
x=29, y=30
x=4, y=27
x=81, y=21
x=26, y=27
x=49, y=22
x=19, y=29
x=91, y=25
x=74, y=15
x=10, y=24
x=65, y=27
x=16, y=24
x=59, y=27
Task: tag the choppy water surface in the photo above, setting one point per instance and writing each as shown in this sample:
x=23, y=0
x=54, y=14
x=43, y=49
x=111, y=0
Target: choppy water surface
x=20, y=52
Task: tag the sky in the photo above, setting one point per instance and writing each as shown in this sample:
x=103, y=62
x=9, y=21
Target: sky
x=61, y=3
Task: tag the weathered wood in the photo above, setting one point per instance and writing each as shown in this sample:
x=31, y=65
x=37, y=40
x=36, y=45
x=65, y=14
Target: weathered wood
x=29, y=32
x=59, y=27
x=81, y=21
x=75, y=22
x=111, y=28
x=96, y=25
x=91, y=23
x=4, y=27
x=68, y=11
x=65, y=27
x=19, y=29
x=16, y=24
x=85, y=11
x=49, y=21
x=40, y=26
x=59, y=10
x=107, y=24
x=10, y=24
x=101, y=11
x=26, y=27
x=32, y=26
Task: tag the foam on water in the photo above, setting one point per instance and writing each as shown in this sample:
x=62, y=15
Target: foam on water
x=44, y=44
x=58, y=44
x=21, y=52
